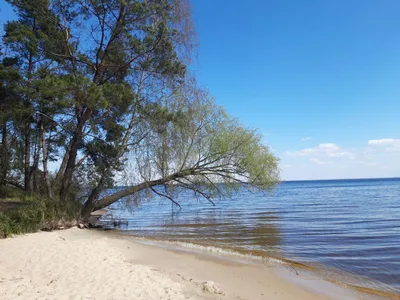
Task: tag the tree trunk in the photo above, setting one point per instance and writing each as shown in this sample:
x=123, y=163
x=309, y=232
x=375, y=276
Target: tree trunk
x=90, y=203
x=49, y=190
x=27, y=157
x=61, y=171
x=32, y=177
x=106, y=201
x=4, y=163
x=28, y=186
x=73, y=151
x=86, y=211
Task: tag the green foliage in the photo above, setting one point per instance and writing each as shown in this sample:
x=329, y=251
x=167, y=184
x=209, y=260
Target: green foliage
x=191, y=132
x=245, y=155
x=11, y=193
x=102, y=86
x=36, y=213
x=23, y=219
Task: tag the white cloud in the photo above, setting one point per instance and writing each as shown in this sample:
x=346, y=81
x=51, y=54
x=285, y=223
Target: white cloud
x=307, y=138
x=390, y=142
x=372, y=159
x=319, y=161
x=323, y=150
x=388, y=145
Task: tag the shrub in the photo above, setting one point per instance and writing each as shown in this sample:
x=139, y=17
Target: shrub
x=10, y=192
x=35, y=214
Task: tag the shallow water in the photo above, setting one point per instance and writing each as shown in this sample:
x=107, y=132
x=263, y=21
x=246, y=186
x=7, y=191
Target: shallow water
x=346, y=227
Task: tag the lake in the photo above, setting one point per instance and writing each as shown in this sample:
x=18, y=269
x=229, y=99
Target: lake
x=349, y=230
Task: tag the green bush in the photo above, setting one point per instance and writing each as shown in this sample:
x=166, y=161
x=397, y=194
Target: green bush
x=27, y=218
x=10, y=192
x=35, y=214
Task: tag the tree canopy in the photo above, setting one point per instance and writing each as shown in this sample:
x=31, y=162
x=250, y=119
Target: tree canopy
x=95, y=90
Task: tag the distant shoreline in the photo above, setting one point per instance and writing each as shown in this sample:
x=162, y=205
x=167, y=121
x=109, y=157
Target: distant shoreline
x=318, y=180
x=345, y=179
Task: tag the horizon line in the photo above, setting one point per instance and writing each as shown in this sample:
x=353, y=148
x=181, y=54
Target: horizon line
x=359, y=178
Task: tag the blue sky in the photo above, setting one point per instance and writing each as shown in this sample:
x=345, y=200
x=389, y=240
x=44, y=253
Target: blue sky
x=319, y=79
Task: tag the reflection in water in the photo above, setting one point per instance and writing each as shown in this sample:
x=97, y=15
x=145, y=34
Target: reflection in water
x=257, y=234
x=206, y=227
x=348, y=225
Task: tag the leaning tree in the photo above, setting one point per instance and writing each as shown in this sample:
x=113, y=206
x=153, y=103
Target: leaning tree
x=106, y=93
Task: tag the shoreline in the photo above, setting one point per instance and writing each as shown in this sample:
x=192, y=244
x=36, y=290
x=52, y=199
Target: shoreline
x=289, y=269
x=93, y=264
x=292, y=267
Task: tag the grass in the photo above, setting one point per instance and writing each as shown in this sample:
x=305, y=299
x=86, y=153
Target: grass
x=10, y=193
x=33, y=213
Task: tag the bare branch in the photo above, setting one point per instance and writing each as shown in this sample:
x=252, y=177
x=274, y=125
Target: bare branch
x=166, y=196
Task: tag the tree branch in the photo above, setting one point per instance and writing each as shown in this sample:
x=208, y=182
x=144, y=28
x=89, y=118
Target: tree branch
x=166, y=196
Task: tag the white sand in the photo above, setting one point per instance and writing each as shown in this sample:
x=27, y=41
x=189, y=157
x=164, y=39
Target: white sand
x=83, y=264
x=67, y=265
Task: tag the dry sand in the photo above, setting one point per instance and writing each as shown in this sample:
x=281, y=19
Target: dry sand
x=83, y=264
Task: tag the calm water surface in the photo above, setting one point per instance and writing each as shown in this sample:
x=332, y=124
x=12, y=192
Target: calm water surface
x=349, y=226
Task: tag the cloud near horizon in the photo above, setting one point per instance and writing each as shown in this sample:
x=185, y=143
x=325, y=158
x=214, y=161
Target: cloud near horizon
x=384, y=142
x=375, y=158
x=323, y=150
x=387, y=145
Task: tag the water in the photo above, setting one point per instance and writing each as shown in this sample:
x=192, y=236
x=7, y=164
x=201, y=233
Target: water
x=346, y=227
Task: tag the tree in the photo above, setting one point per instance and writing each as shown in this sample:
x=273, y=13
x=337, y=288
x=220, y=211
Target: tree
x=25, y=41
x=191, y=142
x=105, y=91
x=9, y=102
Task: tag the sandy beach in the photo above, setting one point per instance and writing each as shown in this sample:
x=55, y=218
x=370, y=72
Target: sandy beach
x=85, y=264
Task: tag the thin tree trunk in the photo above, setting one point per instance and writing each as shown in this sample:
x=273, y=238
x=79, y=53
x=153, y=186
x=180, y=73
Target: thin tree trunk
x=27, y=157
x=32, y=177
x=61, y=171
x=28, y=180
x=4, y=163
x=50, y=193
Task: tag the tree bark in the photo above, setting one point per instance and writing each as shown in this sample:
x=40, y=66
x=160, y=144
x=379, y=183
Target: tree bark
x=27, y=157
x=49, y=190
x=73, y=151
x=104, y=202
x=35, y=167
x=28, y=186
x=64, y=162
x=89, y=205
x=4, y=163
x=87, y=209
